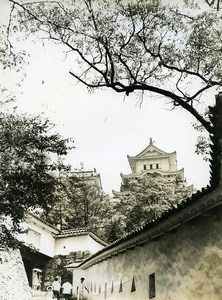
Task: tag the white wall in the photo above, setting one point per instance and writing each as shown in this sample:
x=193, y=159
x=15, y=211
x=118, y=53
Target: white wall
x=66, y=245
x=40, y=235
x=165, y=163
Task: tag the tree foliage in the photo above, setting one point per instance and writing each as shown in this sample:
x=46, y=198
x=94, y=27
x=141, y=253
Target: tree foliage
x=81, y=205
x=171, y=50
x=203, y=141
x=11, y=64
x=147, y=198
x=26, y=166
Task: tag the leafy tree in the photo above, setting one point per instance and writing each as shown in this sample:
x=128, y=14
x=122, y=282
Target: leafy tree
x=11, y=64
x=116, y=225
x=146, y=199
x=170, y=50
x=203, y=141
x=26, y=166
x=81, y=205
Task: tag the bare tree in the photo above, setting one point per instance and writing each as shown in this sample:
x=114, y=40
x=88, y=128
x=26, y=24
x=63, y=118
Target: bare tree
x=213, y=3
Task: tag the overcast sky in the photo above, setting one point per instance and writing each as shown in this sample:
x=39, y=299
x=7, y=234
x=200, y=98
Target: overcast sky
x=105, y=126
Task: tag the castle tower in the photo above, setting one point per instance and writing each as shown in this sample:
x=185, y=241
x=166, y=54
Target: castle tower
x=153, y=160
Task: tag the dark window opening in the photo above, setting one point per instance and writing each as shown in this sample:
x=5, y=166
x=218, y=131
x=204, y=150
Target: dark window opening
x=121, y=286
x=152, y=288
x=105, y=291
x=133, y=286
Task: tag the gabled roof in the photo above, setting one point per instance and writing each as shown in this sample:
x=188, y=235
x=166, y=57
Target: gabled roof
x=68, y=232
x=36, y=218
x=78, y=232
x=150, y=151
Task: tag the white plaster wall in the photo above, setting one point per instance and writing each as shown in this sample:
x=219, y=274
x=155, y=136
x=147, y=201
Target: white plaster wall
x=47, y=240
x=165, y=164
x=47, y=243
x=187, y=266
x=77, y=274
x=66, y=245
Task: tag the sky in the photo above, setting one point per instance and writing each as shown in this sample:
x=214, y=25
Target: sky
x=105, y=126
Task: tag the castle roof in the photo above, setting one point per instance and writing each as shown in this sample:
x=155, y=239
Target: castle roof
x=151, y=151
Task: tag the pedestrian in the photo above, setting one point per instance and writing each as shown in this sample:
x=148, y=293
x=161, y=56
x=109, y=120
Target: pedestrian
x=35, y=281
x=49, y=293
x=81, y=290
x=56, y=286
x=67, y=290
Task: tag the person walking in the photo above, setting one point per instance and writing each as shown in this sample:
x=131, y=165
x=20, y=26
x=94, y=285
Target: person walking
x=67, y=290
x=56, y=286
x=35, y=282
x=49, y=293
x=81, y=290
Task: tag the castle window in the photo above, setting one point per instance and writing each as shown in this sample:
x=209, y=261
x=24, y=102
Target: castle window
x=152, y=288
x=151, y=167
x=144, y=167
x=157, y=166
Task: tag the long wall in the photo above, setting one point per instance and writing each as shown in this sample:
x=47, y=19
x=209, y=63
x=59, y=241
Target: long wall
x=184, y=264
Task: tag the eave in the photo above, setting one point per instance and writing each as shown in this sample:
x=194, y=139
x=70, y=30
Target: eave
x=183, y=214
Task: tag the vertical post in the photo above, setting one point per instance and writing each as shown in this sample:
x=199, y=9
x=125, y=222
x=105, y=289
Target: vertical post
x=216, y=138
x=218, y=129
x=60, y=216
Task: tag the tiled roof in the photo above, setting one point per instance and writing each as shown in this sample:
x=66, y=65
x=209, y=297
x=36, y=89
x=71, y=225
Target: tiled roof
x=80, y=231
x=41, y=220
x=72, y=232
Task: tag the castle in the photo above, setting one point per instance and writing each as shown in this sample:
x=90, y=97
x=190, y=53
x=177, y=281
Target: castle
x=155, y=161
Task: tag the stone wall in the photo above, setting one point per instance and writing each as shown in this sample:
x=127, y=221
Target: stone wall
x=184, y=264
x=13, y=280
x=56, y=266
